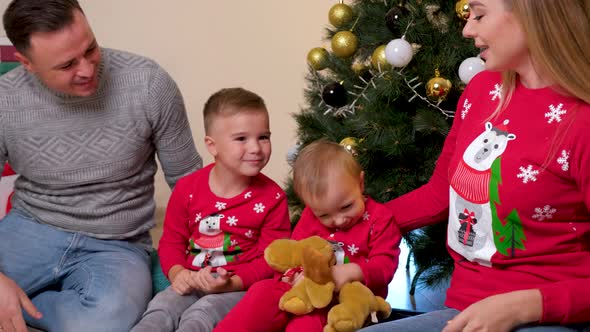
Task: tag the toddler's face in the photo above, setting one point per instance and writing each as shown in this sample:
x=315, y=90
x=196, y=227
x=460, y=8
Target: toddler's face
x=240, y=142
x=343, y=204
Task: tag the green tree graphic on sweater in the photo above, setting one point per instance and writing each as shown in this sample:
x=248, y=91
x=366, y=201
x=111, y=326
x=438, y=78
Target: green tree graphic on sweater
x=508, y=234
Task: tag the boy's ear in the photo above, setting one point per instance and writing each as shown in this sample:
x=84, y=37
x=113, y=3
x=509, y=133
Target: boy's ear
x=210, y=144
x=362, y=180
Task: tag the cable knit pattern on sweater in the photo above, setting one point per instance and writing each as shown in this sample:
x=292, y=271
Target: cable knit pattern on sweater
x=87, y=164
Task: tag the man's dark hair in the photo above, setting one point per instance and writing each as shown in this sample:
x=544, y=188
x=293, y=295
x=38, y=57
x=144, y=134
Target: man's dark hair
x=23, y=18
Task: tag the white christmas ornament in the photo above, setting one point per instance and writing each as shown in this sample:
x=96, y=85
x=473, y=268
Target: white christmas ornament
x=470, y=67
x=398, y=52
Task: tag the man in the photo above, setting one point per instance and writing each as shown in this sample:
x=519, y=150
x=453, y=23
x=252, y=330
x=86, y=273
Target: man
x=81, y=126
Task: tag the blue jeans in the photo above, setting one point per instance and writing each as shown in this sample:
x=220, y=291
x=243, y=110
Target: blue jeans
x=435, y=321
x=77, y=282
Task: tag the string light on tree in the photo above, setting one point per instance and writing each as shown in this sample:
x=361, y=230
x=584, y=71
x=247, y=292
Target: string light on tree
x=462, y=9
x=317, y=58
x=470, y=67
x=340, y=14
x=344, y=44
x=437, y=88
x=399, y=52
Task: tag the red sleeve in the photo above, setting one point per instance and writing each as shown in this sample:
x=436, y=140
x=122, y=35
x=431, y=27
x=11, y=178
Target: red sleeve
x=276, y=226
x=304, y=226
x=428, y=204
x=174, y=241
x=383, y=256
x=569, y=301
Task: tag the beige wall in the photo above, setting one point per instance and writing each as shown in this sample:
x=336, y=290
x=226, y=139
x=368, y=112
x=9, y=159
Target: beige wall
x=210, y=44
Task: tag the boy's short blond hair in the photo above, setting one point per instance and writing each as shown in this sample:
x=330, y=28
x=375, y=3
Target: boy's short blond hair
x=230, y=101
x=318, y=160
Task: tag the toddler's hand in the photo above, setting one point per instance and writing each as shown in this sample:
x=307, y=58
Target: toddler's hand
x=345, y=273
x=292, y=279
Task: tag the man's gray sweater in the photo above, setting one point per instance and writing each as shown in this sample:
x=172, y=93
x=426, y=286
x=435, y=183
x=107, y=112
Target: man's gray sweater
x=87, y=164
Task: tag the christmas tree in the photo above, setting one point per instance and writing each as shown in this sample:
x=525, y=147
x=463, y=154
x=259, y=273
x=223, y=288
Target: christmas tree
x=387, y=90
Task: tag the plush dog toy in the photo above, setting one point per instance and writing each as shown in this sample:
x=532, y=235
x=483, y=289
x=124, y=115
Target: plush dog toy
x=316, y=256
x=357, y=302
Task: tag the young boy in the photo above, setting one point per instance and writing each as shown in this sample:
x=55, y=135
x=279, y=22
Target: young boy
x=330, y=182
x=219, y=220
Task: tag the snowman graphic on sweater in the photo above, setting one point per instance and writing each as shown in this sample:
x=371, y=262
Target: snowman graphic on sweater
x=209, y=246
x=471, y=224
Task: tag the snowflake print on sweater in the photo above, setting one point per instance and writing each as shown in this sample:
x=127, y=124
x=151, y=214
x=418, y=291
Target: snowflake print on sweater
x=555, y=113
x=527, y=174
x=259, y=207
x=497, y=92
x=352, y=249
x=232, y=221
x=563, y=160
x=466, y=107
x=546, y=212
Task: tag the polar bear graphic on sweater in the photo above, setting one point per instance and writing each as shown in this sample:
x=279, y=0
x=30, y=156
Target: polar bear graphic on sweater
x=470, y=230
x=209, y=245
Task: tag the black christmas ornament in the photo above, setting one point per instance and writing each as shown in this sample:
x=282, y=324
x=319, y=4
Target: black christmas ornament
x=393, y=17
x=334, y=94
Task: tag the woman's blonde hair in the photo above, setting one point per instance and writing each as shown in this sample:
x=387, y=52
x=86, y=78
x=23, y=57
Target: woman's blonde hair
x=315, y=162
x=558, y=39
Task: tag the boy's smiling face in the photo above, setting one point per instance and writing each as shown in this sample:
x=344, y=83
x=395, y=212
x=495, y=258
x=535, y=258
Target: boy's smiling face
x=240, y=142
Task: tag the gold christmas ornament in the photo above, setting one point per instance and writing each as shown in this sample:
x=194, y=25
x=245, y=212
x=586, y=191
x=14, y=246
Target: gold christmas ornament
x=378, y=59
x=317, y=58
x=462, y=9
x=344, y=44
x=438, y=87
x=340, y=14
x=350, y=144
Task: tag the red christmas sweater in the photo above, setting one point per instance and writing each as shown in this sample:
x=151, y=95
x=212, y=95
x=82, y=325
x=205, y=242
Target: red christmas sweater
x=372, y=243
x=201, y=229
x=516, y=190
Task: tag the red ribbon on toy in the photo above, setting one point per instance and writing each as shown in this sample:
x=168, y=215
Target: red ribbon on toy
x=290, y=273
x=470, y=222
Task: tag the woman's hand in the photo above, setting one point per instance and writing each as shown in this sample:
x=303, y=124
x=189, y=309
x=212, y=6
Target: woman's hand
x=500, y=313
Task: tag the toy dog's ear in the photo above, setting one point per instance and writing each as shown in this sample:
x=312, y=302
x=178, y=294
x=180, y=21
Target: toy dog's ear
x=283, y=254
x=317, y=265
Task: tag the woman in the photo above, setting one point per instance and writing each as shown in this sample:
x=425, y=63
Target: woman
x=514, y=176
